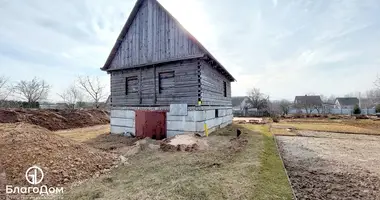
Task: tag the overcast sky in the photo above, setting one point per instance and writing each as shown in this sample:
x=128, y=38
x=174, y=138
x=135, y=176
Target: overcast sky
x=283, y=47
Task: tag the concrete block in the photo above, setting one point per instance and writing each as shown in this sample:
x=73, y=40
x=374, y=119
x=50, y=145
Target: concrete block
x=127, y=114
x=121, y=129
x=192, y=116
x=210, y=114
x=173, y=133
x=229, y=111
x=222, y=112
x=123, y=122
x=224, y=125
x=180, y=126
x=178, y=109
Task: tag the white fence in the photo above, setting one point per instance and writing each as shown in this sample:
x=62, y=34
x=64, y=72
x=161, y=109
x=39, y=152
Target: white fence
x=333, y=111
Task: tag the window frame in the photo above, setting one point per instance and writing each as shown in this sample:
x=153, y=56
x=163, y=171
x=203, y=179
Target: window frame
x=130, y=78
x=172, y=75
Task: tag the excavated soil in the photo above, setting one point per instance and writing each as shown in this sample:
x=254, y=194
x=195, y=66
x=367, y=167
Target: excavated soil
x=62, y=160
x=55, y=119
x=185, y=142
x=332, y=166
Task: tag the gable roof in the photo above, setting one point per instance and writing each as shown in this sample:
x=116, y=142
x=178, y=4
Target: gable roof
x=348, y=101
x=128, y=24
x=236, y=101
x=309, y=100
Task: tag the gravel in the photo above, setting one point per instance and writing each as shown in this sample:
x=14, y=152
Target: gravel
x=325, y=165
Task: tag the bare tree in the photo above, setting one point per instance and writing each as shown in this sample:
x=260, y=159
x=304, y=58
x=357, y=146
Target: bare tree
x=93, y=88
x=257, y=99
x=5, y=89
x=71, y=96
x=377, y=82
x=285, y=105
x=32, y=91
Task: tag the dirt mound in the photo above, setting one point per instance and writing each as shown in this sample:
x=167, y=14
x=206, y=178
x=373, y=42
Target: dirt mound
x=55, y=119
x=185, y=142
x=62, y=160
x=111, y=142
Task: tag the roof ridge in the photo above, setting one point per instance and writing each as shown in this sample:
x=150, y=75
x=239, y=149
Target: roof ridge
x=129, y=22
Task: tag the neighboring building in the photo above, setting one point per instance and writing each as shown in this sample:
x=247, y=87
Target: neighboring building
x=346, y=102
x=308, y=104
x=240, y=103
x=156, y=64
x=308, y=100
x=327, y=107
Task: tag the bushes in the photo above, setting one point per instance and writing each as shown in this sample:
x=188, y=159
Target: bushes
x=378, y=108
x=357, y=110
x=275, y=118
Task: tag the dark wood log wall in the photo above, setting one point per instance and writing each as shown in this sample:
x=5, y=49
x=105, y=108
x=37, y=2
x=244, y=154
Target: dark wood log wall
x=184, y=88
x=212, y=86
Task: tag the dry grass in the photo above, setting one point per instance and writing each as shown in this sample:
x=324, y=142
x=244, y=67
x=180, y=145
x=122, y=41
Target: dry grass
x=331, y=127
x=221, y=172
x=362, y=126
x=84, y=134
x=281, y=131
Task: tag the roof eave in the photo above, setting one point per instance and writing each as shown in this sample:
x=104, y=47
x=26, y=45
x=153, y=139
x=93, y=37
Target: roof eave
x=122, y=34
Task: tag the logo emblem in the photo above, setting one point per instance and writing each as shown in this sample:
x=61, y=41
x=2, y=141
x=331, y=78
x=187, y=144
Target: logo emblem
x=34, y=175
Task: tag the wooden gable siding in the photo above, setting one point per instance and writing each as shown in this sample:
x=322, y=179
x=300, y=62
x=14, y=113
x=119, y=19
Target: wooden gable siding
x=184, y=89
x=153, y=36
x=212, y=86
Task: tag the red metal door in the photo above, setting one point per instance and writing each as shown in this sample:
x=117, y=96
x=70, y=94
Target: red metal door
x=150, y=124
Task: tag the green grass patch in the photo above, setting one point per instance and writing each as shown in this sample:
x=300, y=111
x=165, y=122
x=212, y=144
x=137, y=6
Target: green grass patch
x=272, y=181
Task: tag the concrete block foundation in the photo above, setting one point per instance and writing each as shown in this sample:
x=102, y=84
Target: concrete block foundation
x=178, y=120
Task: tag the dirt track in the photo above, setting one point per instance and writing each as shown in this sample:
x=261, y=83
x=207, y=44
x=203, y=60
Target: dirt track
x=332, y=166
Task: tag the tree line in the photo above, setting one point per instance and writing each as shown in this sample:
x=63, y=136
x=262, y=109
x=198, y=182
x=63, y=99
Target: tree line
x=262, y=101
x=36, y=90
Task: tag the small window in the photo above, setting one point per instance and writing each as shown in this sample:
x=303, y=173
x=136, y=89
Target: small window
x=225, y=88
x=131, y=85
x=166, y=82
x=216, y=113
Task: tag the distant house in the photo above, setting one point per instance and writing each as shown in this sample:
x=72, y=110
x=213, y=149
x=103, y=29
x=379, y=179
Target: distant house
x=307, y=100
x=346, y=102
x=240, y=103
x=308, y=103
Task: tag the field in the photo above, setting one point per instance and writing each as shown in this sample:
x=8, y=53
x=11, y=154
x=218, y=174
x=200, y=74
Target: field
x=331, y=159
x=361, y=126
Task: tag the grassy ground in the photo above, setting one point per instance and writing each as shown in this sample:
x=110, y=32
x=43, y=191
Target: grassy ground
x=227, y=170
x=272, y=180
x=340, y=126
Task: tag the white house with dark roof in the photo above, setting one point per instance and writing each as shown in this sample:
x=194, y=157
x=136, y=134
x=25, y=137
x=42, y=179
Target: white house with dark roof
x=346, y=102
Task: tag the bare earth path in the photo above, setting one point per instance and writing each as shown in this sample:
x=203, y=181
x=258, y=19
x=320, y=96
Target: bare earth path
x=332, y=166
x=84, y=134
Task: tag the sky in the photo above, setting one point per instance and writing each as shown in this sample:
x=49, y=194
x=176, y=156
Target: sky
x=284, y=47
